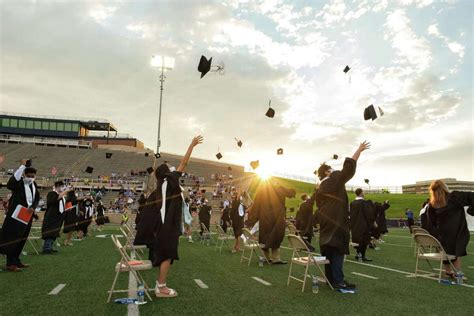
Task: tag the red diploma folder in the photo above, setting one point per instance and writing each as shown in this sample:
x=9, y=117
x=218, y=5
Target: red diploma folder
x=22, y=214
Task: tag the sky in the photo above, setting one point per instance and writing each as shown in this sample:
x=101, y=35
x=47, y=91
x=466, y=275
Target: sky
x=412, y=58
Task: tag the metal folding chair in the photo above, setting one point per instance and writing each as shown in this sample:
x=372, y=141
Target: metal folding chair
x=222, y=238
x=251, y=244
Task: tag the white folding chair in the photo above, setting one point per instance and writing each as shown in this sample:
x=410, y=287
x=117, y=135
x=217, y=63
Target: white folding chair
x=251, y=244
x=206, y=235
x=34, y=239
x=417, y=230
x=136, y=249
x=302, y=256
x=430, y=249
x=126, y=264
x=222, y=238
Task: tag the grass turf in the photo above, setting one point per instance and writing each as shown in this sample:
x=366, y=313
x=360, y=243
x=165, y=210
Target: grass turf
x=398, y=202
x=87, y=269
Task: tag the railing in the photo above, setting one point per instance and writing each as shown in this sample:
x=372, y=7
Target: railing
x=45, y=140
x=70, y=118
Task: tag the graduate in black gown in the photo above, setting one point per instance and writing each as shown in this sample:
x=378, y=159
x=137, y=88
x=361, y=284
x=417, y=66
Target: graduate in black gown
x=225, y=217
x=86, y=211
x=270, y=211
x=14, y=234
x=54, y=216
x=362, y=218
x=380, y=219
x=333, y=216
x=205, y=216
x=166, y=202
x=305, y=219
x=100, y=215
x=237, y=215
x=70, y=218
x=446, y=220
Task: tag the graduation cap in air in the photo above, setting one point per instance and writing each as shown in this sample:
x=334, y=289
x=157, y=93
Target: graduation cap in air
x=149, y=170
x=219, y=156
x=280, y=151
x=239, y=142
x=366, y=181
x=89, y=169
x=255, y=164
x=369, y=113
x=270, y=112
x=147, y=154
x=346, y=69
x=380, y=111
x=108, y=155
x=205, y=66
x=157, y=155
x=335, y=157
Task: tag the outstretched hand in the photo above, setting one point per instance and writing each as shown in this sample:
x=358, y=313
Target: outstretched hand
x=364, y=146
x=197, y=140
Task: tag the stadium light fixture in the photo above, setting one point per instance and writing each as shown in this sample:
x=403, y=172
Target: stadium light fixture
x=163, y=63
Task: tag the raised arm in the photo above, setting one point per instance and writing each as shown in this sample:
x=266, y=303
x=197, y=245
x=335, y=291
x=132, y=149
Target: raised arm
x=363, y=146
x=184, y=162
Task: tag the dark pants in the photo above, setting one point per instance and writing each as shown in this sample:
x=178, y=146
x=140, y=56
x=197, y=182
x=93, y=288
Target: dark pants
x=13, y=256
x=48, y=243
x=333, y=270
x=361, y=249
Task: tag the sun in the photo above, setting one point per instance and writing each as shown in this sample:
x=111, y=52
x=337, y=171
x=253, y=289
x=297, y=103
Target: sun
x=263, y=172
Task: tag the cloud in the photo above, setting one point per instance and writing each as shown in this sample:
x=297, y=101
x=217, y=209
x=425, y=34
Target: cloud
x=453, y=46
x=100, y=13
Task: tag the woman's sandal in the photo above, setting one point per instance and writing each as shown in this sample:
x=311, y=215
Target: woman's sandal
x=159, y=293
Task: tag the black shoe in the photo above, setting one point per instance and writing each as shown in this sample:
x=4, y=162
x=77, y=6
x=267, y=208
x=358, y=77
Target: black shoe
x=367, y=259
x=53, y=250
x=47, y=252
x=280, y=262
x=345, y=286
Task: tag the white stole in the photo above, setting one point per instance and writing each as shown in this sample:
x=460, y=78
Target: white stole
x=164, y=186
x=241, y=210
x=30, y=196
x=61, y=205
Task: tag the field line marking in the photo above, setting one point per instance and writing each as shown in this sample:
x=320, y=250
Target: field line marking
x=397, y=245
x=471, y=267
x=365, y=275
x=201, y=284
x=397, y=236
x=261, y=281
x=57, y=289
x=132, y=309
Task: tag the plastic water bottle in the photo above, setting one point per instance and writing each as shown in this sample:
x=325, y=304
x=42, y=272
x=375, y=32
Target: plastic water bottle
x=315, y=284
x=125, y=300
x=141, y=294
x=260, y=262
x=459, y=278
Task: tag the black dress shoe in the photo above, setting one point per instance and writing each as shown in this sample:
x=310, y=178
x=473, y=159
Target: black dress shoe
x=53, y=250
x=367, y=259
x=22, y=265
x=345, y=286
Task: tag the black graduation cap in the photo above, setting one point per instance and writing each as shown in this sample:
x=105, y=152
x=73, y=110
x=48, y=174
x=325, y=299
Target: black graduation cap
x=366, y=181
x=270, y=112
x=204, y=65
x=218, y=156
x=149, y=170
x=58, y=183
x=28, y=163
x=108, y=155
x=147, y=154
x=157, y=155
x=369, y=113
x=239, y=142
x=346, y=69
x=89, y=169
x=280, y=151
x=335, y=157
x=255, y=164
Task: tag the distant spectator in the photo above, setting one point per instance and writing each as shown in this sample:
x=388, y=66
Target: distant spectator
x=410, y=218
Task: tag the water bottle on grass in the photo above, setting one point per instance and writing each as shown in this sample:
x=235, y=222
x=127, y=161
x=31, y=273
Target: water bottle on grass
x=315, y=284
x=141, y=294
x=459, y=278
x=260, y=262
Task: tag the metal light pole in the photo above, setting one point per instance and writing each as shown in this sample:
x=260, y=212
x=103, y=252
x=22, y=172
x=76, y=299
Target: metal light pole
x=163, y=63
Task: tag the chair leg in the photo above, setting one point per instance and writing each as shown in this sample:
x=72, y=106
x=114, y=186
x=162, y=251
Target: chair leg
x=242, y=256
x=416, y=266
x=113, y=286
x=305, y=276
x=289, y=273
x=325, y=277
x=440, y=270
x=250, y=258
x=140, y=279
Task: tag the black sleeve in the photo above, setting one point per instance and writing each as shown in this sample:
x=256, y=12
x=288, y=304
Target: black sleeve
x=13, y=185
x=348, y=170
x=51, y=198
x=463, y=198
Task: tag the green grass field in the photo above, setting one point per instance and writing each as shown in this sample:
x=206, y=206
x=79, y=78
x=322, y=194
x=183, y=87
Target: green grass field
x=398, y=202
x=87, y=269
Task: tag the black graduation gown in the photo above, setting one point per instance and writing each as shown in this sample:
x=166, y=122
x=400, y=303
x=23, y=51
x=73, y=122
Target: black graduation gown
x=70, y=217
x=141, y=203
x=304, y=218
x=100, y=217
x=361, y=220
x=205, y=216
x=237, y=220
x=146, y=221
x=84, y=218
x=225, y=218
x=333, y=208
x=381, y=220
x=53, y=219
x=269, y=209
x=14, y=234
x=448, y=224
x=167, y=234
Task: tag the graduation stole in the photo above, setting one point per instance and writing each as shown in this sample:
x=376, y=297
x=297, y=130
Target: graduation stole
x=30, y=196
x=164, y=186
